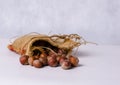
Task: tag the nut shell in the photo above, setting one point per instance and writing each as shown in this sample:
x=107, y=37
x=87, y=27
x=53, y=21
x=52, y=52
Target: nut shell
x=52, y=61
x=24, y=60
x=66, y=65
x=43, y=60
x=30, y=60
x=62, y=59
x=74, y=61
x=37, y=64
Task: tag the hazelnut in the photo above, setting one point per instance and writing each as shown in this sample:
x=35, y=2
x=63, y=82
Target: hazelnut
x=24, y=60
x=43, y=60
x=37, y=64
x=43, y=55
x=74, y=61
x=50, y=53
x=30, y=60
x=62, y=59
x=66, y=64
x=23, y=51
x=10, y=47
x=52, y=61
x=51, y=57
x=63, y=55
x=61, y=51
x=36, y=57
x=58, y=58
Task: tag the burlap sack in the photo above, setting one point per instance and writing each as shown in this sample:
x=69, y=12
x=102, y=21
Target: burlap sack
x=27, y=44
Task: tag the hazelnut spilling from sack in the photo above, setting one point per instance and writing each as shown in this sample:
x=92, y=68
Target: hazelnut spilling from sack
x=41, y=50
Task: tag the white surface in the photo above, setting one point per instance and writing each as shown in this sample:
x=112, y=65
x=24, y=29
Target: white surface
x=99, y=65
x=96, y=20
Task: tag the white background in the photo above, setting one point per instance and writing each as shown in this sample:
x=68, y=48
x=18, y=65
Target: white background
x=95, y=20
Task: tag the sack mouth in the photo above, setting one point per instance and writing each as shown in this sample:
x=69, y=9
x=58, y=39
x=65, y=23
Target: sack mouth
x=43, y=43
x=39, y=47
x=36, y=51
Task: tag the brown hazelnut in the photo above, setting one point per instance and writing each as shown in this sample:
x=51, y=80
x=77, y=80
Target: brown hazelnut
x=36, y=57
x=66, y=64
x=43, y=60
x=30, y=60
x=52, y=61
x=43, y=55
x=10, y=47
x=61, y=52
x=50, y=53
x=62, y=59
x=51, y=57
x=37, y=64
x=24, y=60
x=23, y=51
x=74, y=61
x=58, y=58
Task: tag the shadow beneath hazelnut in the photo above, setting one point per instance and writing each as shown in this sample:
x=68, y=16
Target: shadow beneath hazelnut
x=81, y=54
x=80, y=65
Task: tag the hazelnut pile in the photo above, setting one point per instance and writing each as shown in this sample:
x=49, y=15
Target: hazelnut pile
x=50, y=59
